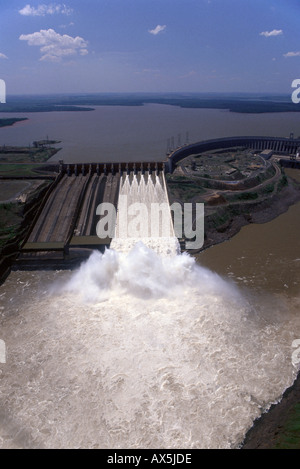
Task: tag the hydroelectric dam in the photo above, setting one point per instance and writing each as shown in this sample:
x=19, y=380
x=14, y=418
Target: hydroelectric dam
x=66, y=220
x=67, y=217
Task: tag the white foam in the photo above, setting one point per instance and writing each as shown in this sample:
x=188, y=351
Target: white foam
x=140, y=272
x=138, y=350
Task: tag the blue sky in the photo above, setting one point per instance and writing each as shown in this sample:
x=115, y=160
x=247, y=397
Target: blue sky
x=82, y=46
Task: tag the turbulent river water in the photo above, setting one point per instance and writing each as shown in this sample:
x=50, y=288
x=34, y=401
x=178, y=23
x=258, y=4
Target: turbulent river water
x=139, y=350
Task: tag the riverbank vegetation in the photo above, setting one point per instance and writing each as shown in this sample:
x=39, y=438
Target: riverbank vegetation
x=27, y=165
x=241, y=103
x=11, y=121
x=16, y=217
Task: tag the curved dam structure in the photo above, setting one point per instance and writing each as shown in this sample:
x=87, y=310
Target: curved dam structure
x=281, y=145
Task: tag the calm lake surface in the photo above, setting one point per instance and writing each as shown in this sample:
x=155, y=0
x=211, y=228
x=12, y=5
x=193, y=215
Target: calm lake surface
x=100, y=358
x=117, y=133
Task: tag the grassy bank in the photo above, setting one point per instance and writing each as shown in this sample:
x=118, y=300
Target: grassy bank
x=12, y=214
x=289, y=437
x=22, y=161
x=16, y=218
x=11, y=218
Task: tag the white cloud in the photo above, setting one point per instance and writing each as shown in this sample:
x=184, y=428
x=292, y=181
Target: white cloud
x=64, y=26
x=150, y=70
x=189, y=74
x=3, y=56
x=54, y=46
x=157, y=30
x=275, y=32
x=43, y=10
x=292, y=54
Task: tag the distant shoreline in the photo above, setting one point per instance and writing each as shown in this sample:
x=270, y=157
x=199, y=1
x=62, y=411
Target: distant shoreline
x=7, y=122
x=234, y=103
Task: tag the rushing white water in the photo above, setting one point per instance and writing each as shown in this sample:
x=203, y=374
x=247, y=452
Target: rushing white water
x=138, y=350
x=142, y=193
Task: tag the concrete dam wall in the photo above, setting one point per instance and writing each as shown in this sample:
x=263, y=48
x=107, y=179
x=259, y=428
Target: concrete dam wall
x=281, y=145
